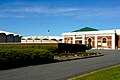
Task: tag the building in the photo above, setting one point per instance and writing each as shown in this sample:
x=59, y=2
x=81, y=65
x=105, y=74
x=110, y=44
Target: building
x=42, y=39
x=7, y=37
x=99, y=39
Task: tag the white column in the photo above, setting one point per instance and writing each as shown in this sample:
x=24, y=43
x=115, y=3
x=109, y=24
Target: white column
x=83, y=39
x=113, y=41
x=74, y=39
x=63, y=39
x=96, y=41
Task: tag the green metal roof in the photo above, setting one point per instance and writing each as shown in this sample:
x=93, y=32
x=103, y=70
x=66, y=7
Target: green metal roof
x=86, y=29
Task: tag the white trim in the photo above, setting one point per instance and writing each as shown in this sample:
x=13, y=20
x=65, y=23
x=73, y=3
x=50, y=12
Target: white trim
x=78, y=39
x=105, y=35
x=88, y=35
x=73, y=39
x=90, y=32
x=78, y=35
x=94, y=48
x=96, y=41
x=68, y=35
x=113, y=41
x=63, y=39
x=83, y=39
x=104, y=44
x=118, y=31
x=118, y=48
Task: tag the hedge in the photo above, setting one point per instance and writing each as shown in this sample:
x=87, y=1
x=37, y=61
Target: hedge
x=15, y=55
x=71, y=48
x=26, y=54
x=14, y=46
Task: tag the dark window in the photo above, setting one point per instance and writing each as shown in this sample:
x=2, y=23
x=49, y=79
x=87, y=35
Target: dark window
x=89, y=41
x=80, y=42
x=104, y=40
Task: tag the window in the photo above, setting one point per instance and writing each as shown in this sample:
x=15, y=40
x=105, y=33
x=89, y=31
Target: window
x=104, y=40
x=80, y=42
x=89, y=41
x=68, y=40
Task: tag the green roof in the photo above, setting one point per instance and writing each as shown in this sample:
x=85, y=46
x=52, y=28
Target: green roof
x=86, y=29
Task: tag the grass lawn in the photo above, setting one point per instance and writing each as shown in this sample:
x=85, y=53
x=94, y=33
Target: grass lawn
x=112, y=73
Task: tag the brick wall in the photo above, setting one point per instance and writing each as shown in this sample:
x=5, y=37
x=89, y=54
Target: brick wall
x=77, y=41
x=78, y=37
x=109, y=40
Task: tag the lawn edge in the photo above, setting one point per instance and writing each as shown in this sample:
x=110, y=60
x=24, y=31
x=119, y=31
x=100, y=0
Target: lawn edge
x=94, y=72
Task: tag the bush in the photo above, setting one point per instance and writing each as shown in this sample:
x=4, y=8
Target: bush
x=52, y=49
x=88, y=47
x=15, y=55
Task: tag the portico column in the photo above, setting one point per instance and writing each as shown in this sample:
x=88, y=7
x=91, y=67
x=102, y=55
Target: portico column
x=63, y=41
x=83, y=39
x=113, y=41
x=96, y=41
x=74, y=39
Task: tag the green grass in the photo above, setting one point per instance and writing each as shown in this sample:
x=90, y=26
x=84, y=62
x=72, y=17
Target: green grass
x=112, y=73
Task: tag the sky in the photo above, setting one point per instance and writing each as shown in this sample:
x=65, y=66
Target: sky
x=36, y=17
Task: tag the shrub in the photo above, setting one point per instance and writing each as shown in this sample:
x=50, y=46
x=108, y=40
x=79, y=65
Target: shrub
x=88, y=47
x=14, y=55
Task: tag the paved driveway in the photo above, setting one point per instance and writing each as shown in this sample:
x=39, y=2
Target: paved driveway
x=62, y=70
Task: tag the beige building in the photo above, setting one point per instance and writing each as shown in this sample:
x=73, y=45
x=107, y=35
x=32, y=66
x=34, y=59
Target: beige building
x=42, y=39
